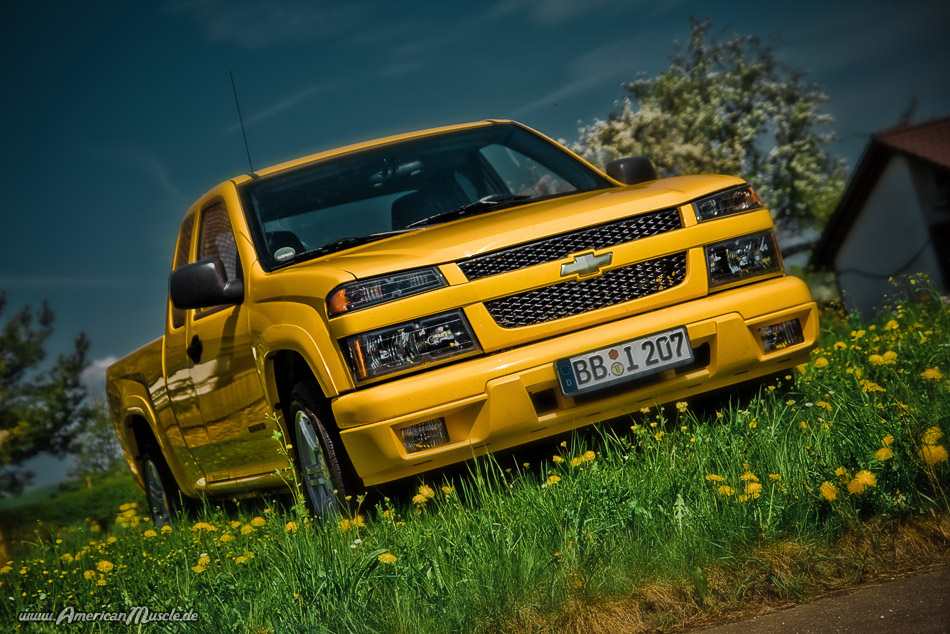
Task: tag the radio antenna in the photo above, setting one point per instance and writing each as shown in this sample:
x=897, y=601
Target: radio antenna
x=241, y=120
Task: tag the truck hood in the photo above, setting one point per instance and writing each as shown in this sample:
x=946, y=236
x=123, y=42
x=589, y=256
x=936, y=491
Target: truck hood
x=486, y=232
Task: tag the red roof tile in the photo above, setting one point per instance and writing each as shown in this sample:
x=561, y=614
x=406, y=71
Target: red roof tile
x=929, y=140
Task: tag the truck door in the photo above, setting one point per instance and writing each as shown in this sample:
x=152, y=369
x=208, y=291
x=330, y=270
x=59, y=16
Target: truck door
x=226, y=381
x=181, y=422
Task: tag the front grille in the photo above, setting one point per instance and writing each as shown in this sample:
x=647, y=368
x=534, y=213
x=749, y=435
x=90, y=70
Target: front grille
x=566, y=299
x=560, y=246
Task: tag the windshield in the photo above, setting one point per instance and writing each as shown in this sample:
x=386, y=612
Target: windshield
x=369, y=195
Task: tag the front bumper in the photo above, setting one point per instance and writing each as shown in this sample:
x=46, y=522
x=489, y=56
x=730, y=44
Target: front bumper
x=512, y=397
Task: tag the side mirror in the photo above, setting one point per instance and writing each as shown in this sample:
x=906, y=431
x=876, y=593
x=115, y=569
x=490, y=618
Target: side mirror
x=203, y=284
x=632, y=170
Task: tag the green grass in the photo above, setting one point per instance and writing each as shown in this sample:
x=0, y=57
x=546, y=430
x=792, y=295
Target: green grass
x=668, y=512
x=64, y=505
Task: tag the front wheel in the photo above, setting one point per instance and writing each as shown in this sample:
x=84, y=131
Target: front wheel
x=319, y=462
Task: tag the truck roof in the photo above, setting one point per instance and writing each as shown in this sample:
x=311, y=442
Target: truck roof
x=355, y=147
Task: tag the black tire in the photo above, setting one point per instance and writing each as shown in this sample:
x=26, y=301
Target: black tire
x=161, y=491
x=321, y=466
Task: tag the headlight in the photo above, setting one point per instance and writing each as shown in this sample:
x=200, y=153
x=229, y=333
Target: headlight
x=378, y=290
x=731, y=201
x=409, y=345
x=735, y=261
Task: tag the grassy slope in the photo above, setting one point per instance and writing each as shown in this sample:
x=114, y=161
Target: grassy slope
x=670, y=514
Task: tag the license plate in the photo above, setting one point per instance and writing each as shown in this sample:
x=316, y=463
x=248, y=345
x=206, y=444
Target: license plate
x=624, y=362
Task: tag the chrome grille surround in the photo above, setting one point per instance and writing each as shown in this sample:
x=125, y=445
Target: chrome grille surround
x=566, y=299
x=560, y=246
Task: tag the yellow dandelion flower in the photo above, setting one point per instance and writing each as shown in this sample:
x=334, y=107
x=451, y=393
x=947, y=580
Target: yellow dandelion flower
x=105, y=566
x=387, y=558
x=359, y=520
x=871, y=386
x=775, y=477
x=204, y=560
x=753, y=489
x=842, y=473
x=240, y=559
x=149, y=533
x=857, y=334
x=933, y=454
x=345, y=524
x=427, y=491
x=862, y=480
x=290, y=527
x=681, y=406
x=753, y=424
x=825, y=405
x=389, y=514
x=418, y=499
x=712, y=477
x=890, y=357
x=89, y=574
x=882, y=454
x=589, y=455
x=931, y=436
x=891, y=325
x=68, y=558
x=199, y=568
x=235, y=523
x=658, y=435
x=876, y=359
x=719, y=415
x=932, y=374
x=447, y=490
x=102, y=582
x=166, y=529
x=803, y=425
x=204, y=526
x=748, y=476
x=828, y=491
x=821, y=362
x=112, y=539
x=725, y=490
x=226, y=537
x=258, y=521
x=840, y=345
x=557, y=459
x=887, y=441
x=553, y=479
x=247, y=528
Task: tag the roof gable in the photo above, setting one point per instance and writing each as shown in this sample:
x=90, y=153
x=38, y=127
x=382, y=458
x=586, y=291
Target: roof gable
x=928, y=141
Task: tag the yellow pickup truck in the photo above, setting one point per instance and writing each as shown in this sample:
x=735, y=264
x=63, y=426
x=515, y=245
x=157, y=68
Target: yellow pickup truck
x=407, y=303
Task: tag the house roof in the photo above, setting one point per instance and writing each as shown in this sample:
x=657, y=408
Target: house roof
x=928, y=141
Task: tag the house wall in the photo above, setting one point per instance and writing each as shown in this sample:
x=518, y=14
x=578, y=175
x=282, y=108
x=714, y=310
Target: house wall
x=890, y=237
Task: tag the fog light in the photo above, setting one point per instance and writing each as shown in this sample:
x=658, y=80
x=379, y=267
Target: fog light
x=427, y=435
x=782, y=335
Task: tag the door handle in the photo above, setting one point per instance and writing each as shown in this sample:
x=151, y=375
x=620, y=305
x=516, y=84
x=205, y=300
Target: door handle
x=194, y=349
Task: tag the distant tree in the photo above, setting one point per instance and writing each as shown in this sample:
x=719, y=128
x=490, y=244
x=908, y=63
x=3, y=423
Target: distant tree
x=729, y=107
x=96, y=446
x=40, y=410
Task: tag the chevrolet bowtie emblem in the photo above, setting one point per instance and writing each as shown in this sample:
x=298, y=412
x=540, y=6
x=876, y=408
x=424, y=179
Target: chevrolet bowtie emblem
x=586, y=264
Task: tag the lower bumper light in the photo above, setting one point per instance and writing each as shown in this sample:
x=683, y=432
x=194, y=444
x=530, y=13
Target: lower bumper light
x=781, y=335
x=427, y=435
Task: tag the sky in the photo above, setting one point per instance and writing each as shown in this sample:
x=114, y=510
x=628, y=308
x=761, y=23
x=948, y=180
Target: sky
x=116, y=116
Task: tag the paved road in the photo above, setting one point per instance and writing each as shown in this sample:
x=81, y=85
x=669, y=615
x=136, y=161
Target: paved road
x=918, y=604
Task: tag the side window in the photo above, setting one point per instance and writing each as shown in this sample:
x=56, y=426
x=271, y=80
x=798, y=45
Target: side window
x=522, y=175
x=181, y=258
x=217, y=240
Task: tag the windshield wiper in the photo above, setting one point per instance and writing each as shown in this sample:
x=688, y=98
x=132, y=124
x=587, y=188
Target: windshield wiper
x=343, y=243
x=485, y=203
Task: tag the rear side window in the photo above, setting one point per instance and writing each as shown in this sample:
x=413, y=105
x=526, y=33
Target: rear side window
x=181, y=258
x=217, y=240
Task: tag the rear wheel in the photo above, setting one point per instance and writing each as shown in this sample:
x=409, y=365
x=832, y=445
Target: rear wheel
x=161, y=491
x=320, y=465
